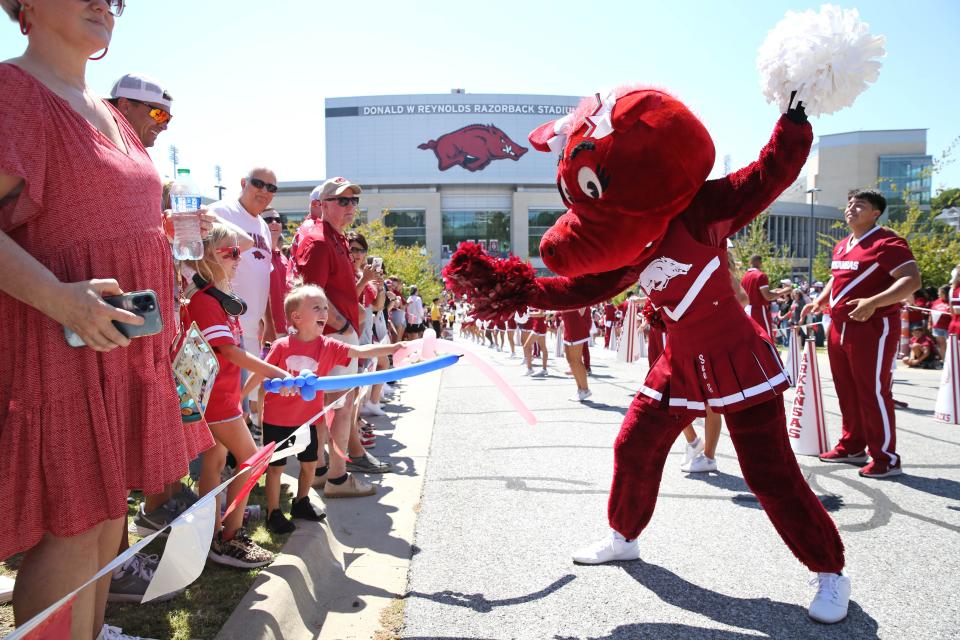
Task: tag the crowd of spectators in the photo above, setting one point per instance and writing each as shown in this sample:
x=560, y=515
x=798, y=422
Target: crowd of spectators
x=76, y=450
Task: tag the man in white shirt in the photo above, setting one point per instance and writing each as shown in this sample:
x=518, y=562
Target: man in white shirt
x=252, y=280
x=415, y=315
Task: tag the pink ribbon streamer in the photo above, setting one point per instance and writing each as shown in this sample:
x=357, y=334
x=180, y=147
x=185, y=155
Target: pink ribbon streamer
x=426, y=347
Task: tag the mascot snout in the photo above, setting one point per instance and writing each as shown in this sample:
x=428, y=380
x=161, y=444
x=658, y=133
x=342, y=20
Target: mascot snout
x=573, y=247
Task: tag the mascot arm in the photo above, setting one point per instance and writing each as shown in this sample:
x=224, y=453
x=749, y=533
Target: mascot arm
x=499, y=288
x=560, y=293
x=724, y=206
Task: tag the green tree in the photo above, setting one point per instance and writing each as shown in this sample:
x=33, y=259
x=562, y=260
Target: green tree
x=935, y=246
x=411, y=264
x=756, y=241
x=945, y=199
x=825, y=244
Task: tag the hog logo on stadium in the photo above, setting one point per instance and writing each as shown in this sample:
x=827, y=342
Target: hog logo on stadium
x=473, y=147
x=659, y=272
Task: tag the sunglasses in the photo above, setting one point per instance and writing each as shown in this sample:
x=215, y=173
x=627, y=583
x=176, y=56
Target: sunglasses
x=114, y=6
x=260, y=184
x=271, y=220
x=230, y=252
x=159, y=115
x=357, y=250
x=344, y=201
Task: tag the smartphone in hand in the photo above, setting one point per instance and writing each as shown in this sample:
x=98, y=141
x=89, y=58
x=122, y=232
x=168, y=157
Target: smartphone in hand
x=141, y=303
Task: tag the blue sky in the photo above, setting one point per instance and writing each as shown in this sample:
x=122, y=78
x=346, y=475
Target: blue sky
x=249, y=77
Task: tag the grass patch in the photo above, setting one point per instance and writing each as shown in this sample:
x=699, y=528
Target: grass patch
x=199, y=612
x=391, y=621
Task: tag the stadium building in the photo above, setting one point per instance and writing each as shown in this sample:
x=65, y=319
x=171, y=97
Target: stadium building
x=444, y=168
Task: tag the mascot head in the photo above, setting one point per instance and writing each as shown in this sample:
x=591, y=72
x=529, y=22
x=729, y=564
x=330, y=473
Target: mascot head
x=629, y=163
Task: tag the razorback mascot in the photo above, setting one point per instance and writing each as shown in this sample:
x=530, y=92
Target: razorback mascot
x=633, y=173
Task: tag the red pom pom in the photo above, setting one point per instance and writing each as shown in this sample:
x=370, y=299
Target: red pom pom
x=496, y=288
x=652, y=315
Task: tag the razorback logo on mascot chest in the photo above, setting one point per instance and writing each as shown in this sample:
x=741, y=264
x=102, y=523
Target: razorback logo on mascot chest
x=658, y=273
x=629, y=164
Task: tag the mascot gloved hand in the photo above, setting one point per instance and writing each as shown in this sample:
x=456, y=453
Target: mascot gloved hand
x=633, y=174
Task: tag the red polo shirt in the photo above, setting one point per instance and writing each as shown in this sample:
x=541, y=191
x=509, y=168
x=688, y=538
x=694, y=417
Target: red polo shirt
x=323, y=259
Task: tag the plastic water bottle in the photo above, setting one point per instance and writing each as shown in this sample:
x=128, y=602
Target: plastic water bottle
x=185, y=201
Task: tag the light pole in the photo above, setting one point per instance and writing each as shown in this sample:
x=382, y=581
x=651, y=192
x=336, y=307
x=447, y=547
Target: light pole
x=813, y=235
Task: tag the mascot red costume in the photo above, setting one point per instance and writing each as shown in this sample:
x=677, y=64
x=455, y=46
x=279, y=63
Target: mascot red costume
x=633, y=173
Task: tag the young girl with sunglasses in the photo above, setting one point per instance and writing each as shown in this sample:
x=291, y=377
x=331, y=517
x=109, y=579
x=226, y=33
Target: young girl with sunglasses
x=213, y=308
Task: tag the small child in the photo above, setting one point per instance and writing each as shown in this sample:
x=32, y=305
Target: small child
x=208, y=308
x=305, y=348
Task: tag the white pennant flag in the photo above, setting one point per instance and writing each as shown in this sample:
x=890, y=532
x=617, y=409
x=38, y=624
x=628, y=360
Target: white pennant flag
x=791, y=362
x=187, y=548
x=628, y=350
x=614, y=342
x=301, y=440
x=948, y=397
x=806, y=425
x=558, y=350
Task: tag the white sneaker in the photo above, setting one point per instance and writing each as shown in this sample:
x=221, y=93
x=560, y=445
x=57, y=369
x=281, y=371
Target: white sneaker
x=371, y=409
x=833, y=595
x=108, y=632
x=581, y=395
x=528, y=372
x=700, y=464
x=613, y=548
x=692, y=450
x=539, y=374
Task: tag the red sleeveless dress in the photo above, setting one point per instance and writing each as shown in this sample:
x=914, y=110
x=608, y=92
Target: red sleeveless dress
x=79, y=428
x=715, y=355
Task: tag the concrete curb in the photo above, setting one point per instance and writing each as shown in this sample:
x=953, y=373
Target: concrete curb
x=332, y=579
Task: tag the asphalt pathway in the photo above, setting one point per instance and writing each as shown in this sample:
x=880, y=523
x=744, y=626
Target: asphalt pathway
x=504, y=504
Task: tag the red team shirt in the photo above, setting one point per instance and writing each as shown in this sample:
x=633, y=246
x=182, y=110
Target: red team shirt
x=219, y=329
x=320, y=356
x=940, y=314
x=863, y=269
x=754, y=280
x=954, y=326
x=538, y=325
x=576, y=326
x=323, y=259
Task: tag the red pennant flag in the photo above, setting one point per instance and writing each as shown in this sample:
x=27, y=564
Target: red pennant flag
x=55, y=626
x=258, y=464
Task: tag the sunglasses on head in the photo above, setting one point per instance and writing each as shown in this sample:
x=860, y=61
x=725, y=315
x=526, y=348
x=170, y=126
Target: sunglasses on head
x=114, y=6
x=260, y=184
x=159, y=115
x=344, y=201
x=230, y=252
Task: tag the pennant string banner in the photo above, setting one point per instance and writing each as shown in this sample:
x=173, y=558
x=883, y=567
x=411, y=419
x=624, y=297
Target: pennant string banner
x=195, y=524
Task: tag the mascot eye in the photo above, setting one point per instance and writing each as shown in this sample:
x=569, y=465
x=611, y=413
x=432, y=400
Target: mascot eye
x=564, y=192
x=589, y=182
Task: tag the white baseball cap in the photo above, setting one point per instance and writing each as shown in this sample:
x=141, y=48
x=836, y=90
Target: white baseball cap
x=137, y=86
x=334, y=187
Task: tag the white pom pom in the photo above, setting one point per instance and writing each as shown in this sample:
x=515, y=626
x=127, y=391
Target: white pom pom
x=828, y=58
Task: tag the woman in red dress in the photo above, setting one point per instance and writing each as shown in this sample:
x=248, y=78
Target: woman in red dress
x=79, y=203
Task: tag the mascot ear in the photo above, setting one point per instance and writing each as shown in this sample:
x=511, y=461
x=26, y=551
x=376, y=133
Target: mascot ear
x=631, y=108
x=541, y=136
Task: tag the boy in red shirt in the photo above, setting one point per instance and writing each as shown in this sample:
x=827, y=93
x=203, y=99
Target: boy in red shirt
x=306, y=348
x=922, y=348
